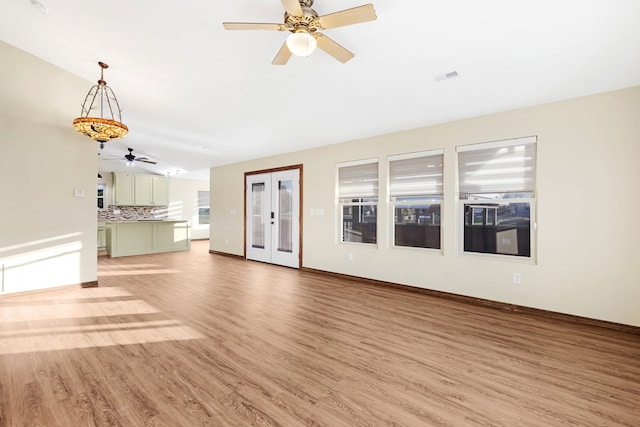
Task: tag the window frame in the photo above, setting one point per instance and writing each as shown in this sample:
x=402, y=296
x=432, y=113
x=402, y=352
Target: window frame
x=530, y=198
x=420, y=200
x=359, y=201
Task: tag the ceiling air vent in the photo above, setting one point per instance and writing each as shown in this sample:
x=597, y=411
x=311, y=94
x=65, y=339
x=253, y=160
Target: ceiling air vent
x=447, y=76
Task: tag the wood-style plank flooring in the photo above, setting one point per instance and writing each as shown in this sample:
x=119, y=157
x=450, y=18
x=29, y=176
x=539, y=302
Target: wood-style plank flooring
x=195, y=339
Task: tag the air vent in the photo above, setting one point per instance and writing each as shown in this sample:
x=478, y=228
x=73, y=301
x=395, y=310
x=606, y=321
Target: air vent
x=447, y=76
x=37, y=4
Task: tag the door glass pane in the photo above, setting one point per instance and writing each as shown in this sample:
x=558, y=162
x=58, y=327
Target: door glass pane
x=285, y=213
x=257, y=223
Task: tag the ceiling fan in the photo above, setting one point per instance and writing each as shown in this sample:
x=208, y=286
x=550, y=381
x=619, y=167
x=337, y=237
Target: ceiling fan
x=131, y=158
x=303, y=22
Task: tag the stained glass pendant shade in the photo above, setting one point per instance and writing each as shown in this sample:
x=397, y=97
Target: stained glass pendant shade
x=100, y=98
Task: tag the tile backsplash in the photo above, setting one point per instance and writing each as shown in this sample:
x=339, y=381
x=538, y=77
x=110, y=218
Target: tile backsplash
x=132, y=213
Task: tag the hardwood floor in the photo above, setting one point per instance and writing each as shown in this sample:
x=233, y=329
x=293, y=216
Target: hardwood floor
x=195, y=339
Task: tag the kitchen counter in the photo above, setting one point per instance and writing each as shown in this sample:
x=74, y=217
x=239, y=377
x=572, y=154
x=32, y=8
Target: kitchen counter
x=139, y=237
x=141, y=220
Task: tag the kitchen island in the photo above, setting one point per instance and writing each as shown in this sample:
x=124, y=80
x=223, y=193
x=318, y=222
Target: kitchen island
x=141, y=237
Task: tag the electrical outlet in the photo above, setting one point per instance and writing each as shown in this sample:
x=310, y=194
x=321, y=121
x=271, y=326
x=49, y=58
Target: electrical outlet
x=517, y=278
x=350, y=257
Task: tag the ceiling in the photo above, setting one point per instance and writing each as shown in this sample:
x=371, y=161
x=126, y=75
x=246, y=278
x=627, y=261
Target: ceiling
x=195, y=96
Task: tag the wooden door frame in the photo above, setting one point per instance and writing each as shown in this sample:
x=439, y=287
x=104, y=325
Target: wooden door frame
x=272, y=170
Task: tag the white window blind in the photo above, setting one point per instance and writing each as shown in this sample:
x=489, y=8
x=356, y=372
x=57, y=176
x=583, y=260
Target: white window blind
x=358, y=181
x=497, y=167
x=418, y=175
x=203, y=199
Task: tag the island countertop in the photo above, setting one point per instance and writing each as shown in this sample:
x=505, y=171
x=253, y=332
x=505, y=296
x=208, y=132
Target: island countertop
x=121, y=221
x=138, y=237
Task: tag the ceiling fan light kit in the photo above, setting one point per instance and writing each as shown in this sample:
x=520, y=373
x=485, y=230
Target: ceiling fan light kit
x=301, y=43
x=303, y=22
x=109, y=125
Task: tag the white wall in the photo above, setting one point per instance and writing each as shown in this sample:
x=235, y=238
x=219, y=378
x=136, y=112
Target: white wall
x=47, y=236
x=183, y=203
x=588, y=238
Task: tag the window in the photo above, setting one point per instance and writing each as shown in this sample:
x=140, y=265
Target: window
x=497, y=194
x=415, y=191
x=203, y=207
x=358, y=201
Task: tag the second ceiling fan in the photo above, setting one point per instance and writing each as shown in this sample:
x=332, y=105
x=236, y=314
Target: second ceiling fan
x=303, y=22
x=131, y=159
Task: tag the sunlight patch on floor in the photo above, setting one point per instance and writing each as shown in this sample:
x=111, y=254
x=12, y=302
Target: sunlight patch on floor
x=126, y=266
x=50, y=296
x=134, y=269
x=45, y=322
x=119, y=334
x=136, y=272
x=75, y=310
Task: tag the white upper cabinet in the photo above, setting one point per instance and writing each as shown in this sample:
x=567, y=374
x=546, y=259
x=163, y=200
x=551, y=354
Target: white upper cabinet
x=143, y=190
x=123, y=189
x=160, y=191
x=140, y=190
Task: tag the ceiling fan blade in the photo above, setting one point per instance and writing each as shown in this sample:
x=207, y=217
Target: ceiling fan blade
x=252, y=26
x=333, y=48
x=292, y=7
x=351, y=16
x=146, y=161
x=282, y=56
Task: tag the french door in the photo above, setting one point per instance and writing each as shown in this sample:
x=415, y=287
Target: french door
x=273, y=217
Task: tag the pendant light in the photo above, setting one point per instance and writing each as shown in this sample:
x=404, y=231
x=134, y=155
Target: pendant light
x=108, y=125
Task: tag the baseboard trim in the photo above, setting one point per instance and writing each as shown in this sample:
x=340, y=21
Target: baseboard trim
x=497, y=305
x=225, y=254
x=92, y=284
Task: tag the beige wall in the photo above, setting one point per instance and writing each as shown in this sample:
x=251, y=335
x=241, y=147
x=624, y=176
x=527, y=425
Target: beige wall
x=47, y=236
x=588, y=235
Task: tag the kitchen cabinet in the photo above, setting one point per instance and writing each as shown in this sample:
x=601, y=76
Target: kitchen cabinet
x=123, y=189
x=140, y=190
x=102, y=236
x=151, y=190
x=147, y=237
x=160, y=191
